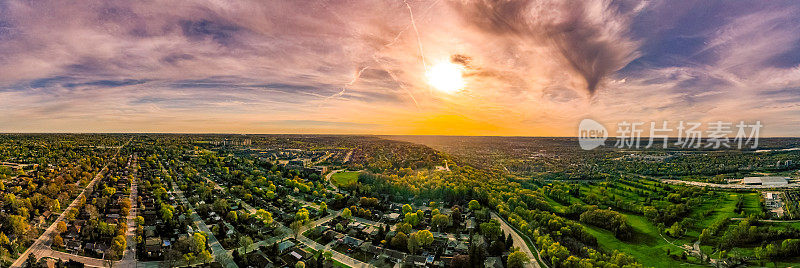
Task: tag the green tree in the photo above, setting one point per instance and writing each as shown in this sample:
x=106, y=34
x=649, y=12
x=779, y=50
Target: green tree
x=399, y=240
x=412, y=244
x=424, y=237
x=302, y=215
x=474, y=205
x=517, y=259
x=167, y=212
x=233, y=216
x=411, y=218
x=265, y=217
x=347, y=214
x=491, y=229
x=205, y=256
x=197, y=243
x=440, y=221
x=296, y=226
x=118, y=245
x=407, y=208
x=18, y=225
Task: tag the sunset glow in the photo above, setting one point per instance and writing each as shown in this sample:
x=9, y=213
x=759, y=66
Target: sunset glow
x=446, y=77
x=530, y=67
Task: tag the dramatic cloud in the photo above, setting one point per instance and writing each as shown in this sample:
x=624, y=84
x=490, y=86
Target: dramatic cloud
x=530, y=67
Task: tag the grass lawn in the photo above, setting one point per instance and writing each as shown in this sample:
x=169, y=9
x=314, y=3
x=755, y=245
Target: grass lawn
x=752, y=203
x=647, y=246
x=721, y=206
x=345, y=178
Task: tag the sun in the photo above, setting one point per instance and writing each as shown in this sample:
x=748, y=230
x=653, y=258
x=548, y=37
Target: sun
x=446, y=77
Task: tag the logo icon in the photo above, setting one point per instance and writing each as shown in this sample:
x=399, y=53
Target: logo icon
x=591, y=134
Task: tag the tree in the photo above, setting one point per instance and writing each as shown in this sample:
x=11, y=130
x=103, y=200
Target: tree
x=18, y=225
x=440, y=221
x=58, y=241
x=411, y=218
x=705, y=236
x=91, y=210
x=245, y=242
x=296, y=225
x=197, y=243
x=4, y=240
x=61, y=227
x=323, y=207
x=167, y=212
x=302, y=216
x=455, y=215
x=650, y=212
x=474, y=205
x=56, y=206
x=221, y=205
x=233, y=216
x=412, y=244
x=300, y=264
x=491, y=229
x=347, y=214
x=517, y=259
x=125, y=207
x=31, y=261
x=205, y=256
x=404, y=227
x=118, y=246
x=424, y=237
x=675, y=230
x=265, y=217
x=407, y=208
x=399, y=240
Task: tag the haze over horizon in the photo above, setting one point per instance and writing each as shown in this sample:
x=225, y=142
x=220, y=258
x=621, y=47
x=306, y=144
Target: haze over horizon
x=472, y=68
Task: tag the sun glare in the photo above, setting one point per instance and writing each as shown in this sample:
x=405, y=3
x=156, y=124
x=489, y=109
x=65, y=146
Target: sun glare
x=446, y=77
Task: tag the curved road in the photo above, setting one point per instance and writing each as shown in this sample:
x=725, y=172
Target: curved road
x=518, y=241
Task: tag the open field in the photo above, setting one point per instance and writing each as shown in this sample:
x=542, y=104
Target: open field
x=343, y=179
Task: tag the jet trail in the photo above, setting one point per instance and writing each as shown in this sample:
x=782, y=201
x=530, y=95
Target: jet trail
x=419, y=41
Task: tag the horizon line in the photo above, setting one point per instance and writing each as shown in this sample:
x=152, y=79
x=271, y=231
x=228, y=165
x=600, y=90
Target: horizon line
x=341, y=134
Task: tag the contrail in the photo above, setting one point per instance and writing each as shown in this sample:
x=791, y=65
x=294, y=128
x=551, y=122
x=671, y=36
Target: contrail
x=394, y=40
x=356, y=76
x=396, y=80
x=419, y=41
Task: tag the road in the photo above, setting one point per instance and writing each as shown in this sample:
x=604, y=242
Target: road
x=328, y=178
x=42, y=244
x=129, y=256
x=220, y=254
x=321, y=159
x=347, y=157
x=347, y=260
x=784, y=221
x=518, y=241
x=730, y=186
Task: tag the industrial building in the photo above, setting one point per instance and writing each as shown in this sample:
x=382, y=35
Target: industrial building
x=774, y=180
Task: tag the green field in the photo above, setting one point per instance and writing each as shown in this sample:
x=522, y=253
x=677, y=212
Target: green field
x=342, y=179
x=648, y=247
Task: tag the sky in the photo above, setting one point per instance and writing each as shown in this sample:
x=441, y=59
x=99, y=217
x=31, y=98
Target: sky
x=529, y=68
